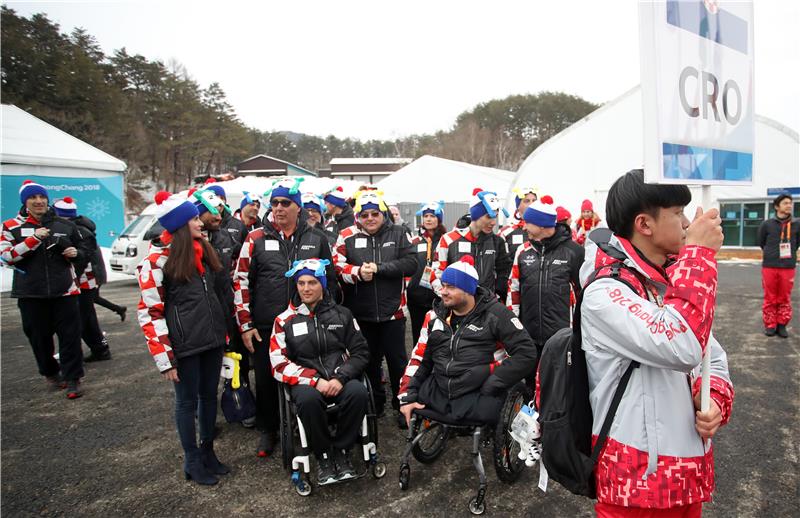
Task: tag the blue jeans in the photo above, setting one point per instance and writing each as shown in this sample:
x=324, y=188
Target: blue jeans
x=196, y=394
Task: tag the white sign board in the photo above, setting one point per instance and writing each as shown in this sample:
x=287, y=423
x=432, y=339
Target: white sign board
x=697, y=91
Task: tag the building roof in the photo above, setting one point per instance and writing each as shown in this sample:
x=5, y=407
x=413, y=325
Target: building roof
x=431, y=178
x=29, y=140
x=289, y=166
x=361, y=161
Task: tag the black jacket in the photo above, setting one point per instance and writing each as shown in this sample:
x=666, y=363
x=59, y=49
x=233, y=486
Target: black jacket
x=492, y=261
x=236, y=229
x=546, y=271
x=382, y=298
x=465, y=361
x=771, y=233
x=194, y=312
x=331, y=344
x=425, y=254
x=341, y=221
x=267, y=258
x=88, y=230
x=48, y=274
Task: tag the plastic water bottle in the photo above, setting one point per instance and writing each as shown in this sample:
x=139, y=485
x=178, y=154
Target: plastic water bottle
x=526, y=431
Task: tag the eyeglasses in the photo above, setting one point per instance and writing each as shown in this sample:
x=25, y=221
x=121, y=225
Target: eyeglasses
x=283, y=203
x=369, y=214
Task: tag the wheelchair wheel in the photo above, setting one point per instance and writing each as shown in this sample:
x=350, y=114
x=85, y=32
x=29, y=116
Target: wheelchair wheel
x=507, y=463
x=372, y=419
x=405, y=476
x=474, y=508
x=303, y=487
x=286, y=429
x=433, y=442
x=379, y=469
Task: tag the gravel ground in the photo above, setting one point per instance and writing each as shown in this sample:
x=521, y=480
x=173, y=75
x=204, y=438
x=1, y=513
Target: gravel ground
x=115, y=451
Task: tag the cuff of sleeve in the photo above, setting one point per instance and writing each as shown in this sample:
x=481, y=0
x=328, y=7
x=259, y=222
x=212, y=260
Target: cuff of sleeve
x=314, y=381
x=247, y=326
x=702, y=251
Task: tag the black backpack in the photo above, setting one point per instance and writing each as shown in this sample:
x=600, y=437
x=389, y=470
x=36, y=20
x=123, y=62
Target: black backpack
x=565, y=413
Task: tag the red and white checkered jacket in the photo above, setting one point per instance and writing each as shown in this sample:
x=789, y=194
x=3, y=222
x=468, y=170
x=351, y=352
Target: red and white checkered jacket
x=283, y=369
x=150, y=311
x=88, y=280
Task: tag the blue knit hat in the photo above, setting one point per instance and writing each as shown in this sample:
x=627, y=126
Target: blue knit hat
x=287, y=188
x=312, y=201
x=366, y=200
x=462, y=275
x=541, y=215
x=218, y=190
x=66, y=207
x=434, y=207
x=30, y=188
x=484, y=202
x=336, y=197
x=248, y=198
x=174, y=211
x=315, y=267
x=205, y=200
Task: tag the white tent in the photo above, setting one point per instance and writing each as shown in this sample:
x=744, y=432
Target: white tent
x=584, y=160
x=431, y=178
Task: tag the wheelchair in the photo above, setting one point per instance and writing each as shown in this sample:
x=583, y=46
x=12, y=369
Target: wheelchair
x=429, y=433
x=296, y=453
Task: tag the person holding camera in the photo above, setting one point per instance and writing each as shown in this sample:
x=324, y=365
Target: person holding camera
x=45, y=251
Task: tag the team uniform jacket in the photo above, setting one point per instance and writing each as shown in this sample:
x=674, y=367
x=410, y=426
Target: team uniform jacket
x=308, y=345
x=263, y=261
x=489, y=251
x=583, y=227
x=384, y=297
x=94, y=275
x=490, y=351
x=236, y=230
x=47, y=273
x=179, y=319
x=514, y=235
x=543, y=278
x=771, y=233
x=654, y=457
x=424, y=246
x=341, y=221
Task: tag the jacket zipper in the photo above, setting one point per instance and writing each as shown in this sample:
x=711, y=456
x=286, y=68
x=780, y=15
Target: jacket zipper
x=208, y=302
x=178, y=322
x=374, y=281
x=541, y=271
x=319, y=349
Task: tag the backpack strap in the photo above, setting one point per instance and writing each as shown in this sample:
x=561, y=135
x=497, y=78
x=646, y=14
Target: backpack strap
x=612, y=411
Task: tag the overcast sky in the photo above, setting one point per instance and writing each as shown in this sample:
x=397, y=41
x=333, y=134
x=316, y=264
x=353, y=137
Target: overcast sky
x=380, y=69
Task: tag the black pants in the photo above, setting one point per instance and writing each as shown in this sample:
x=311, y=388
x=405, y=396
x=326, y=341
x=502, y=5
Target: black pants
x=196, y=396
x=100, y=301
x=385, y=339
x=473, y=406
x=267, y=411
x=311, y=404
x=43, y=317
x=417, y=313
x=91, y=333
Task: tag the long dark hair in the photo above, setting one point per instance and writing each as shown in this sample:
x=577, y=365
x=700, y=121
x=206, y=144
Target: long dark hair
x=180, y=263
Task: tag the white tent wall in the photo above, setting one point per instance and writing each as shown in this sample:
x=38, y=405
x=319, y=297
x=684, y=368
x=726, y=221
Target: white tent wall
x=584, y=160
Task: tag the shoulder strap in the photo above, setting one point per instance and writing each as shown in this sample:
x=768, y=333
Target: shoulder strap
x=612, y=411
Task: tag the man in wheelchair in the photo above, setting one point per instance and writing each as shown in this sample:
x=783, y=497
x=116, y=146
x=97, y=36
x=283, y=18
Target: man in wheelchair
x=317, y=350
x=471, y=351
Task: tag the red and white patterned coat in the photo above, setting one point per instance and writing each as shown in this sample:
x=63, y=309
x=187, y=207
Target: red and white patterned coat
x=151, y=307
x=654, y=457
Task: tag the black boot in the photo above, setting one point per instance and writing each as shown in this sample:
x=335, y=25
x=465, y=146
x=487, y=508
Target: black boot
x=194, y=470
x=781, y=330
x=121, y=313
x=210, y=460
x=770, y=331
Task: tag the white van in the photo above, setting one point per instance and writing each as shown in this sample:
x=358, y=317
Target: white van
x=131, y=246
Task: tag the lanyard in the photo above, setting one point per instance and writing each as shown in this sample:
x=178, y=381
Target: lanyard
x=786, y=230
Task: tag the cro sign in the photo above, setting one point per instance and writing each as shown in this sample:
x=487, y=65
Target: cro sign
x=697, y=91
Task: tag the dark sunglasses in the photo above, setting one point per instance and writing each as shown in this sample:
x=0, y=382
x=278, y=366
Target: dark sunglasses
x=370, y=214
x=283, y=203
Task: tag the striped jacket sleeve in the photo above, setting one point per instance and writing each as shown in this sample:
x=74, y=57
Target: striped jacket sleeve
x=513, y=297
x=348, y=272
x=12, y=252
x=241, y=282
x=283, y=369
x=415, y=368
x=439, y=263
x=151, y=310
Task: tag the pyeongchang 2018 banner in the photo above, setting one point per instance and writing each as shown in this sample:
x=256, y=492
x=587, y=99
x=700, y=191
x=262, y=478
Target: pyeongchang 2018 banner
x=697, y=91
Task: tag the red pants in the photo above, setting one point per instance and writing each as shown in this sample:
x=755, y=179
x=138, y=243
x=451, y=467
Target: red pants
x=618, y=511
x=778, y=283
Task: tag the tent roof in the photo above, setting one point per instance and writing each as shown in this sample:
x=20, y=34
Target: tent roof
x=583, y=160
x=433, y=178
x=31, y=141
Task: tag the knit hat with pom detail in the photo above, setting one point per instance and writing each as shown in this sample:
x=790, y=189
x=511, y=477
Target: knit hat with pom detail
x=30, y=188
x=462, y=275
x=336, y=197
x=541, y=215
x=483, y=203
x=66, y=207
x=174, y=211
x=587, y=205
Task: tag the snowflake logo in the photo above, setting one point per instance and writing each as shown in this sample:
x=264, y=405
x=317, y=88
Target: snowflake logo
x=98, y=209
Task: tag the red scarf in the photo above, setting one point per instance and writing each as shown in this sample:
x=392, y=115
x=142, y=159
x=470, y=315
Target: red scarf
x=166, y=238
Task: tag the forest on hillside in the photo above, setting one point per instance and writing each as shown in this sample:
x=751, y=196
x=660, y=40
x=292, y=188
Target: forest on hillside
x=169, y=129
